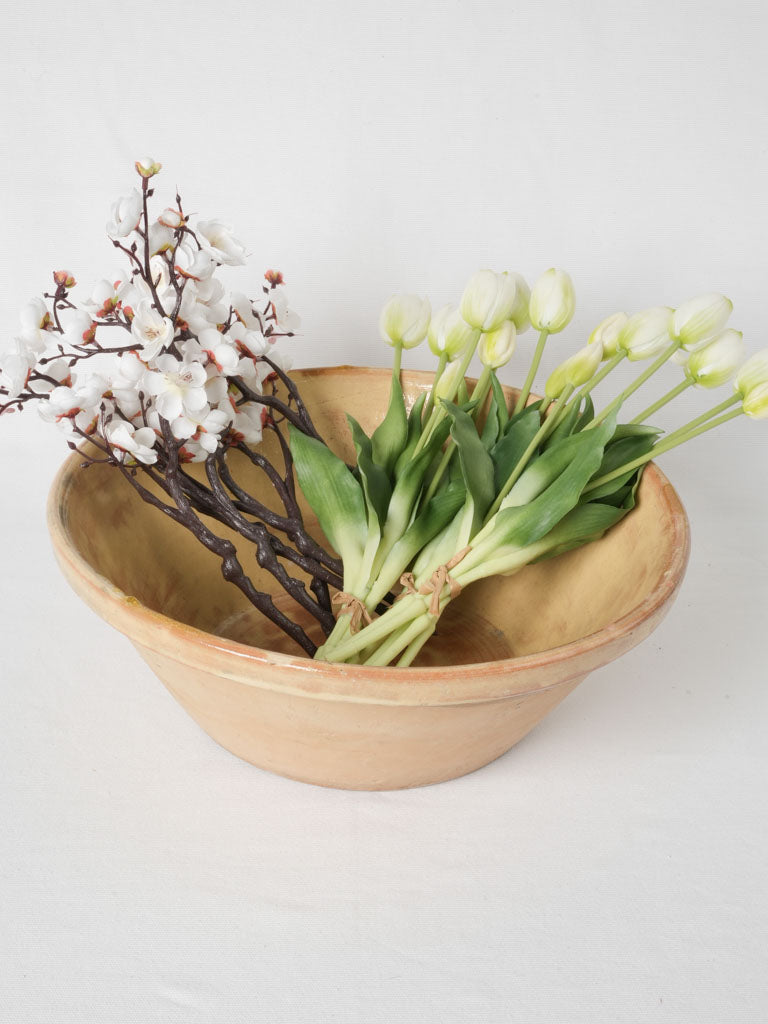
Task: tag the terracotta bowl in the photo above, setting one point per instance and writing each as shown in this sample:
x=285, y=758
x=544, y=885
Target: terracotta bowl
x=507, y=651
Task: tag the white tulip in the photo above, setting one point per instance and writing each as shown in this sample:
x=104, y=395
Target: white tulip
x=578, y=369
x=646, y=334
x=450, y=333
x=489, y=299
x=700, y=319
x=752, y=384
x=496, y=347
x=405, y=320
x=449, y=382
x=520, y=315
x=716, y=362
x=607, y=334
x=754, y=373
x=553, y=301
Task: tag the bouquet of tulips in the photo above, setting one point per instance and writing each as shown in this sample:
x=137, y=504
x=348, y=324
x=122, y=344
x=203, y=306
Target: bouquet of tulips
x=461, y=486
x=465, y=485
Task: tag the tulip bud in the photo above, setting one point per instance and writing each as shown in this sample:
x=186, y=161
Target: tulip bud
x=404, y=320
x=755, y=403
x=496, y=347
x=553, y=301
x=753, y=374
x=646, y=334
x=520, y=315
x=450, y=333
x=449, y=381
x=607, y=334
x=715, y=363
x=488, y=300
x=148, y=167
x=700, y=319
x=574, y=371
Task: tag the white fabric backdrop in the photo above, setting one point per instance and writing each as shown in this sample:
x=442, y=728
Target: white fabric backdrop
x=612, y=866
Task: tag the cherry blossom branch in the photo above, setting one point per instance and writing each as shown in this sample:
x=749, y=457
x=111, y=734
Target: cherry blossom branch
x=231, y=569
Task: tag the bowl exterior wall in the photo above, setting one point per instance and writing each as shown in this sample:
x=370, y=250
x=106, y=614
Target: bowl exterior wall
x=350, y=745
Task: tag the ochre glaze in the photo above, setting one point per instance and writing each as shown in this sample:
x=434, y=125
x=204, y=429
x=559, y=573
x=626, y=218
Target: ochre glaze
x=509, y=650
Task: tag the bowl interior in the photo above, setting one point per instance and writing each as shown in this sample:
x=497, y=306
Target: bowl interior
x=151, y=559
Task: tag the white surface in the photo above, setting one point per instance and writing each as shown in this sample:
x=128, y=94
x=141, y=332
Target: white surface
x=612, y=866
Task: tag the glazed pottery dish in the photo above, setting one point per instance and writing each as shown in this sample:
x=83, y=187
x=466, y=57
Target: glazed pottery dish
x=505, y=654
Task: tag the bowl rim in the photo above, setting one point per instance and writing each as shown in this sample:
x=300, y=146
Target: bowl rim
x=476, y=682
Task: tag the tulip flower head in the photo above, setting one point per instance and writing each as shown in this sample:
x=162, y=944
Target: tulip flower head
x=553, y=301
x=496, y=347
x=715, y=363
x=607, y=334
x=405, y=320
x=578, y=369
x=700, y=319
x=489, y=299
x=450, y=333
x=520, y=315
x=646, y=334
x=752, y=384
x=449, y=382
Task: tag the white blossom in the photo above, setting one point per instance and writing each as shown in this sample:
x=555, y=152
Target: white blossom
x=126, y=214
x=14, y=371
x=131, y=444
x=219, y=242
x=219, y=350
x=152, y=331
x=192, y=262
x=178, y=388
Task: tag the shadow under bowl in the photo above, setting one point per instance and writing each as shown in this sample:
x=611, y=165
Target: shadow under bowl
x=506, y=653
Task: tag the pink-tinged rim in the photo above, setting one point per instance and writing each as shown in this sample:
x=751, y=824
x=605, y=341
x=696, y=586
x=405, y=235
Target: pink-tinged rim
x=428, y=686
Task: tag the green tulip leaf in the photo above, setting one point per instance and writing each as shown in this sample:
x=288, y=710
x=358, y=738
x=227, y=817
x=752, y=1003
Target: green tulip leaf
x=391, y=435
x=376, y=486
x=333, y=493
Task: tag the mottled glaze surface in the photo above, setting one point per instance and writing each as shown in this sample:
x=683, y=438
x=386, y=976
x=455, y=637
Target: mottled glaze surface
x=507, y=652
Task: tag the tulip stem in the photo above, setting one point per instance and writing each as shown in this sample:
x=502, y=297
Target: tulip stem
x=442, y=362
x=438, y=412
x=673, y=393
x=480, y=394
x=704, y=417
x=523, y=396
x=664, y=446
x=397, y=360
x=541, y=434
x=637, y=383
x=601, y=374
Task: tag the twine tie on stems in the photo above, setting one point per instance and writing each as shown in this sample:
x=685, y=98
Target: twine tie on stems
x=434, y=585
x=354, y=607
